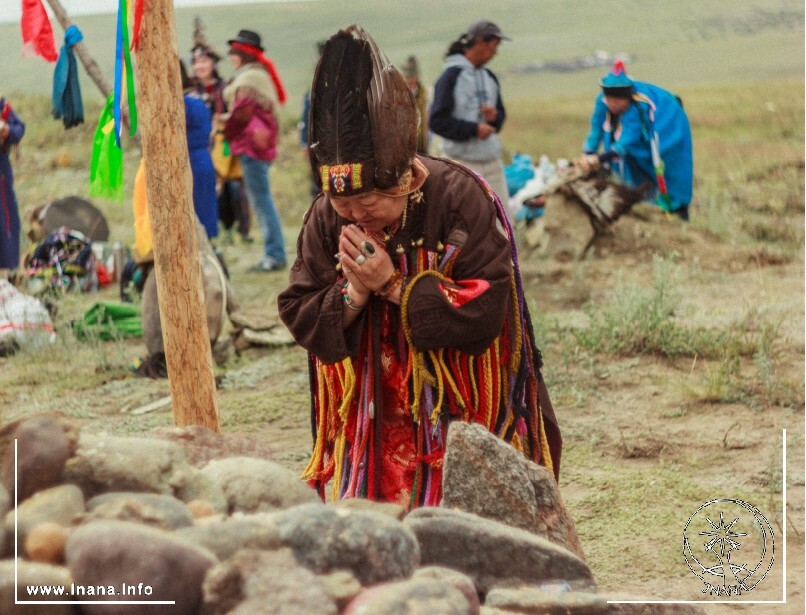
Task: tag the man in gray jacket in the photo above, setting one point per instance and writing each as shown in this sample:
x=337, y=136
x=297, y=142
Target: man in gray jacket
x=467, y=111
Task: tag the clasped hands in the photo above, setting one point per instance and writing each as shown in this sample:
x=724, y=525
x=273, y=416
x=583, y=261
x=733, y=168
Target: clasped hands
x=365, y=264
x=485, y=129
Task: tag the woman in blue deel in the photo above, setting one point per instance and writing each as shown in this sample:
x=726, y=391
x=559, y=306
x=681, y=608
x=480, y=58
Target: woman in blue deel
x=645, y=136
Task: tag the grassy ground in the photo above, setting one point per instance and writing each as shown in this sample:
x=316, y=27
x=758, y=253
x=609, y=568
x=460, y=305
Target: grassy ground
x=674, y=357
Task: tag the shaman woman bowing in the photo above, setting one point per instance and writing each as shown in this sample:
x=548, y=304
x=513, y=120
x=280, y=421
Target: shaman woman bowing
x=406, y=293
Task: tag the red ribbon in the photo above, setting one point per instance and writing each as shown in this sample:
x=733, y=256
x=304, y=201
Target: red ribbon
x=275, y=77
x=138, y=18
x=37, y=34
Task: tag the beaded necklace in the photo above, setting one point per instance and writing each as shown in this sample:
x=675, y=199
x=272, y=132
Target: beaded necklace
x=383, y=236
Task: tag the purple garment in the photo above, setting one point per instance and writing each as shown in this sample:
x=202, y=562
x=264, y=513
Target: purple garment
x=9, y=212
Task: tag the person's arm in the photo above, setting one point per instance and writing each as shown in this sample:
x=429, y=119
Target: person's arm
x=634, y=138
x=467, y=311
x=441, y=119
x=239, y=116
x=596, y=133
x=501, y=113
x=313, y=306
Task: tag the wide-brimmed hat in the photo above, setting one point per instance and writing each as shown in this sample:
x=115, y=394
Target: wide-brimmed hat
x=486, y=29
x=616, y=82
x=247, y=37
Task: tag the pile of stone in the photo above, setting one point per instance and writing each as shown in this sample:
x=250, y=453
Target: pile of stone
x=113, y=520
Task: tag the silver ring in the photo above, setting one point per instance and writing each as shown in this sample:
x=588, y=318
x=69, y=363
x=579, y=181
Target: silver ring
x=360, y=259
x=345, y=270
x=367, y=249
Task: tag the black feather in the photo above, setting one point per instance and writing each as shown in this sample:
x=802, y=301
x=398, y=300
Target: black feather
x=339, y=126
x=393, y=114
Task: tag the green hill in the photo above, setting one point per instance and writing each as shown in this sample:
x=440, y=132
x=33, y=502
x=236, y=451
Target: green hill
x=677, y=44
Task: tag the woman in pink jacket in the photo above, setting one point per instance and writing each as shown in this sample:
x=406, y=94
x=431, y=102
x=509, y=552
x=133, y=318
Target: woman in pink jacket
x=251, y=128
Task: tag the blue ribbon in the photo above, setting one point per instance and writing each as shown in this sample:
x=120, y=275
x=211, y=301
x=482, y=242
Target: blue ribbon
x=67, y=103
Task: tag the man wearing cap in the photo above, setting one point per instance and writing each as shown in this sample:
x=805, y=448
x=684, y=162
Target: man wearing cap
x=467, y=111
x=646, y=137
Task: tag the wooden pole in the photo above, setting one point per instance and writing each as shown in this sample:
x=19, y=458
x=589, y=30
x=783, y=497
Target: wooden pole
x=81, y=51
x=169, y=191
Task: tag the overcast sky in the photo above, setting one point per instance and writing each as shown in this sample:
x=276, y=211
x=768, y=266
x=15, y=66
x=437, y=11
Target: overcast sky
x=10, y=10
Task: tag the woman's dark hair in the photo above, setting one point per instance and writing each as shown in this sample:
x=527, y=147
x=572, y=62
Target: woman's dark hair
x=465, y=42
x=460, y=45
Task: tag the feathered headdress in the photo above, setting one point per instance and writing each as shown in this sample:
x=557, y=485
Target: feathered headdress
x=363, y=119
x=200, y=45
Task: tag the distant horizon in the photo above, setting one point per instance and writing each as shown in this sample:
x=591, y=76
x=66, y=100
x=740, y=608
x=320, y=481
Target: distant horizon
x=12, y=11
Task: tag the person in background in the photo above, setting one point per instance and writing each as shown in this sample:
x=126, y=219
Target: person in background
x=303, y=124
x=251, y=127
x=646, y=137
x=412, y=74
x=233, y=206
x=199, y=127
x=11, y=131
x=467, y=110
x=407, y=295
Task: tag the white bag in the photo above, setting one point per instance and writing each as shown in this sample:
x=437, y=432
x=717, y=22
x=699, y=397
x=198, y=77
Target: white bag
x=24, y=321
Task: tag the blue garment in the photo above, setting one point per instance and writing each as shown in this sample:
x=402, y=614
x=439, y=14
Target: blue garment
x=256, y=179
x=519, y=172
x=67, y=104
x=9, y=212
x=601, y=131
x=205, y=199
x=459, y=93
x=653, y=112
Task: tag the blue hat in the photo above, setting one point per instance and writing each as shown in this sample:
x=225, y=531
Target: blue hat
x=617, y=78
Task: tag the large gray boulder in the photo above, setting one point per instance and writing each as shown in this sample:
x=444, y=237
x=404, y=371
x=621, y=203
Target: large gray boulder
x=164, y=512
x=105, y=463
x=485, y=476
x=44, y=444
x=535, y=601
x=267, y=583
x=201, y=445
x=373, y=546
x=493, y=554
x=59, y=505
x=257, y=485
x=453, y=578
x=119, y=555
x=226, y=537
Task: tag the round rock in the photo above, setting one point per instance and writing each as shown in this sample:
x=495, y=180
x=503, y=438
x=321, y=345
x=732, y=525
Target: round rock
x=257, y=485
x=373, y=546
x=127, y=557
